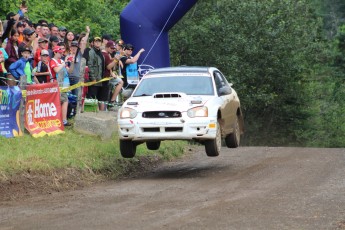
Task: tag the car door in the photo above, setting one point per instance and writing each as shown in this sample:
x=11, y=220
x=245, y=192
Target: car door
x=228, y=109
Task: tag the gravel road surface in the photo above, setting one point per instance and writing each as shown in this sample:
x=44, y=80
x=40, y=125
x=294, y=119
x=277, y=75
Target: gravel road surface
x=244, y=188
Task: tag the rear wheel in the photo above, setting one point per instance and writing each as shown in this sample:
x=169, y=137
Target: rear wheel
x=212, y=147
x=153, y=145
x=127, y=148
x=233, y=139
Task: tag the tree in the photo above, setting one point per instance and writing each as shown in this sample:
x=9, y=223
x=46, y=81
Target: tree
x=268, y=49
x=101, y=16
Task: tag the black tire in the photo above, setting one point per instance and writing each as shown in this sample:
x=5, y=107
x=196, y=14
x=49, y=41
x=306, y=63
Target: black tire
x=212, y=147
x=153, y=145
x=127, y=148
x=233, y=139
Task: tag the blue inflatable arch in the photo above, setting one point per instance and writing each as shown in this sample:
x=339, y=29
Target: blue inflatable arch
x=146, y=23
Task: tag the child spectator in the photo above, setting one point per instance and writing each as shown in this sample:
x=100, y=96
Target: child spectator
x=42, y=70
x=17, y=68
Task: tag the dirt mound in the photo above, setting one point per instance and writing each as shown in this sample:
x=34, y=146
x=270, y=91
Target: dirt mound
x=28, y=184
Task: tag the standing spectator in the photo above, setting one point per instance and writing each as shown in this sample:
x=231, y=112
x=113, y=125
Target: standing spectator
x=42, y=70
x=99, y=91
x=115, y=84
x=76, y=53
x=68, y=40
x=45, y=32
x=38, y=30
x=56, y=65
x=54, y=30
x=105, y=39
x=62, y=33
x=54, y=41
x=29, y=37
x=20, y=29
x=42, y=45
x=12, y=49
x=87, y=50
x=130, y=67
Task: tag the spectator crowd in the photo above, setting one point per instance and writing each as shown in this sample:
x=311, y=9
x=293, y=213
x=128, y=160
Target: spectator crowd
x=41, y=52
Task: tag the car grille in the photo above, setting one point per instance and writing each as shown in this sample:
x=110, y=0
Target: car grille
x=166, y=129
x=162, y=114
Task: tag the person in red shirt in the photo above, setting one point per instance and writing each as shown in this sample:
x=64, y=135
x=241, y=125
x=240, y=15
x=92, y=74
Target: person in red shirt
x=42, y=45
x=56, y=65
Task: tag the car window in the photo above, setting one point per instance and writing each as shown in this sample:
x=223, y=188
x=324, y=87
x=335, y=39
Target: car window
x=190, y=85
x=221, y=83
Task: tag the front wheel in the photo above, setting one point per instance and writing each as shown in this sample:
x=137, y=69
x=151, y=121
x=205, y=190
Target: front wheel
x=212, y=147
x=233, y=139
x=127, y=148
x=153, y=145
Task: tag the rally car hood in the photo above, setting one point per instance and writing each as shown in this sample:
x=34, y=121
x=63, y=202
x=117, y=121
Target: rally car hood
x=166, y=102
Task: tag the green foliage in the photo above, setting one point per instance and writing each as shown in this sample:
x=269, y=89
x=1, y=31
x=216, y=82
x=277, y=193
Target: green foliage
x=101, y=16
x=268, y=49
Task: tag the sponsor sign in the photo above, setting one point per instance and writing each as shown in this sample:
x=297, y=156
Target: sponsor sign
x=10, y=98
x=43, y=110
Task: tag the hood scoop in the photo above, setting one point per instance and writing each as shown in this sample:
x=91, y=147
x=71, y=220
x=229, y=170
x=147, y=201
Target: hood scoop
x=167, y=95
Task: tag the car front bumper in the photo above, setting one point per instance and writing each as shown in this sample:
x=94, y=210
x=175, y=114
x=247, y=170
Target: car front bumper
x=144, y=129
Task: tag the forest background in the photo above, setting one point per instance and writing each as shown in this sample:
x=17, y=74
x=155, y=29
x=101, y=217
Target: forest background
x=286, y=59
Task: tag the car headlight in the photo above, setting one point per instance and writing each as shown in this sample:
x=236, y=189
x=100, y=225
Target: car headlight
x=198, y=112
x=128, y=113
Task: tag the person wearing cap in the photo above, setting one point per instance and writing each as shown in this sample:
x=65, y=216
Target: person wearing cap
x=105, y=39
x=42, y=70
x=111, y=65
x=42, y=45
x=62, y=33
x=20, y=29
x=129, y=63
x=99, y=91
x=57, y=65
x=119, y=48
x=29, y=37
x=17, y=69
x=53, y=41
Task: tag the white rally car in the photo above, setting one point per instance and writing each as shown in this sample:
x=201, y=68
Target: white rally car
x=181, y=103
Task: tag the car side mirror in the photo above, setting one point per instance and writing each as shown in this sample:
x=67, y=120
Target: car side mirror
x=224, y=91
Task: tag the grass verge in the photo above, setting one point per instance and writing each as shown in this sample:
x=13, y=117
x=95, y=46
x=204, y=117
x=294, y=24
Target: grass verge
x=64, y=161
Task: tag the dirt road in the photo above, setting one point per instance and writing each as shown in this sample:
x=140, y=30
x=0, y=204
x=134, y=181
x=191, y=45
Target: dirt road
x=245, y=188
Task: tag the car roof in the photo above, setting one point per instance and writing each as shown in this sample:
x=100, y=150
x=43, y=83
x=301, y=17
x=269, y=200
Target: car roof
x=181, y=69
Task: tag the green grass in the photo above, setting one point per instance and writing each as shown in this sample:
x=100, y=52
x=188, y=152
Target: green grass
x=72, y=150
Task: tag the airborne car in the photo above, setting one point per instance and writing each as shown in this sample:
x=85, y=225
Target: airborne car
x=181, y=103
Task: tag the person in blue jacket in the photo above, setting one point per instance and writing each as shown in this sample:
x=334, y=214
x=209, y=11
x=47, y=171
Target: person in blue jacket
x=17, y=68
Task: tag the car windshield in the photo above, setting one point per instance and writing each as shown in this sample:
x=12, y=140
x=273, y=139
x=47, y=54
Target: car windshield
x=190, y=85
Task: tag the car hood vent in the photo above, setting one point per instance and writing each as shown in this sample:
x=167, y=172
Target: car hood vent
x=167, y=95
